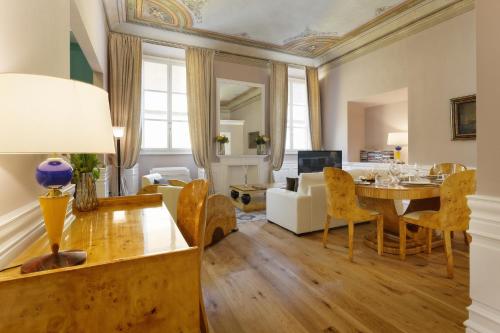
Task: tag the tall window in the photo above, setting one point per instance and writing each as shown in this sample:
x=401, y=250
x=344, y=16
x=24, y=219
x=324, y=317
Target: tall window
x=164, y=106
x=297, y=134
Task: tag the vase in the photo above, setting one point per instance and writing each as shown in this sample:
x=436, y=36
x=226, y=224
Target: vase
x=86, y=197
x=261, y=149
x=222, y=148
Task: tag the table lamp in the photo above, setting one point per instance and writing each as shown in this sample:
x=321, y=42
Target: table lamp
x=48, y=115
x=397, y=139
x=118, y=133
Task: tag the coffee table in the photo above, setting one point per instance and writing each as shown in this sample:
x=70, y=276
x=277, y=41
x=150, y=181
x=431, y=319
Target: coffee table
x=250, y=197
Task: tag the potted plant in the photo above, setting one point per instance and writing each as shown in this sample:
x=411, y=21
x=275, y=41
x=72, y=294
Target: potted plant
x=85, y=173
x=221, y=140
x=261, y=142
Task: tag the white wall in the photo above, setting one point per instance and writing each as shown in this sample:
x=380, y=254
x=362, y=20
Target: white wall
x=251, y=114
x=34, y=38
x=382, y=120
x=436, y=65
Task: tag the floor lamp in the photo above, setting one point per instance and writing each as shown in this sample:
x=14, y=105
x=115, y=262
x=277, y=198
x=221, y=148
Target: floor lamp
x=118, y=133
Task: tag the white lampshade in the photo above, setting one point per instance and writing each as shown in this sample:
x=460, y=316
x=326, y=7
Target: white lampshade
x=118, y=132
x=42, y=115
x=397, y=139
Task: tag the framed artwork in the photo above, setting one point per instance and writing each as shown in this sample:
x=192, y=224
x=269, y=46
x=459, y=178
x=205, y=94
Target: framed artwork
x=252, y=136
x=463, y=118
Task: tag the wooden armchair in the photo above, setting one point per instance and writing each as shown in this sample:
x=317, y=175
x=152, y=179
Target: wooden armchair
x=342, y=204
x=447, y=168
x=453, y=214
x=191, y=220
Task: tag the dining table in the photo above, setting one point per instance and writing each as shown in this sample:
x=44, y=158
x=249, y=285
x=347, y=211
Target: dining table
x=388, y=200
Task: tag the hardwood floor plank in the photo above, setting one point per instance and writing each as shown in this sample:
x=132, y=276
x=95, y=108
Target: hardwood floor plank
x=266, y=279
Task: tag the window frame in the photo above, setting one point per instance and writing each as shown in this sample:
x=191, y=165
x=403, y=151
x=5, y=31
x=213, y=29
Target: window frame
x=289, y=129
x=169, y=150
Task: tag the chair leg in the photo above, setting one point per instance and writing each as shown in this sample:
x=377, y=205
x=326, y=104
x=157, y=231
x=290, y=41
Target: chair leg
x=380, y=235
x=402, y=239
x=449, y=253
x=467, y=238
x=351, y=239
x=428, y=233
x=325, y=232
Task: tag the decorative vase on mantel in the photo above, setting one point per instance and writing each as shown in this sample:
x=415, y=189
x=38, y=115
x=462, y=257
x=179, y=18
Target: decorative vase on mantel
x=86, y=197
x=261, y=149
x=222, y=148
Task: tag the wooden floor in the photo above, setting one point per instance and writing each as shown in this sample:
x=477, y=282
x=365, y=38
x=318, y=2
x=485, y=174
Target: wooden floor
x=265, y=279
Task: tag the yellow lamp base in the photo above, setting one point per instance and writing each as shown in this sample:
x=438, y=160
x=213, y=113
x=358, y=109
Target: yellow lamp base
x=54, y=205
x=397, y=155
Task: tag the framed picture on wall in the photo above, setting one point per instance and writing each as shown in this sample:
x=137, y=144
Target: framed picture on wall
x=463, y=118
x=252, y=136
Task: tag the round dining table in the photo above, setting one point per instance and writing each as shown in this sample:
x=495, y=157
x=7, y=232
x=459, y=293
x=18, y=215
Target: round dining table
x=385, y=200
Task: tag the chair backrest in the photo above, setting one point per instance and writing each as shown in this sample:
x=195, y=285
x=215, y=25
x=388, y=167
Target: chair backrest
x=447, y=168
x=191, y=212
x=177, y=182
x=308, y=179
x=454, y=213
x=340, y=193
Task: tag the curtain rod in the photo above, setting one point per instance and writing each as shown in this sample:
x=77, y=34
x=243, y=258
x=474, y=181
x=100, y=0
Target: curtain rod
x=184, y=46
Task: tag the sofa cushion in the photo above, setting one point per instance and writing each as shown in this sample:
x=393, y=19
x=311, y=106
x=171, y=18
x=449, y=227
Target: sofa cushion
x=308, y=179
x=292, y=184
x=161, y=181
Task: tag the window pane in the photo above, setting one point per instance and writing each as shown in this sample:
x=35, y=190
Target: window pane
x=155, y=115
x=180, y=135
x=300, y=140
x=155, y=134
x=155, y=101
x=299, y=93
x=288, y=144
x=299, y=113
x=155, y=76
x=179, y=103
x=178, y=78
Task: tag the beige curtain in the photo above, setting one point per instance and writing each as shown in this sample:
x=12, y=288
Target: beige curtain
x=199, y=69
x=313, y=100
x=125, y=63
x=278, y=103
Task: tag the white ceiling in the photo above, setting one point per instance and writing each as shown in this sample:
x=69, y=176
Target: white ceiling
x=229, y=91
x=277, y=21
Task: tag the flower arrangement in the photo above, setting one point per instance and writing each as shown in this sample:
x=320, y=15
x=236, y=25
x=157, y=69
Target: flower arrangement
x=261, y=139
x=221, y=139
x=85, y=163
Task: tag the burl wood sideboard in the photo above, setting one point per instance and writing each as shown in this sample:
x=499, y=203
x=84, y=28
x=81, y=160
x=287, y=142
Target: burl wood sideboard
x=140, y=276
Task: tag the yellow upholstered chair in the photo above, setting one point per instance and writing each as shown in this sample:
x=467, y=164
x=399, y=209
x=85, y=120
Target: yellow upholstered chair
x=177, y=182
x=447, y=169
x=342, y=204
x=191, y=220
x=453, y=214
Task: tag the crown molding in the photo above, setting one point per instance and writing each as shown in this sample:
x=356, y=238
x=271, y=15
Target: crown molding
x=418, y=18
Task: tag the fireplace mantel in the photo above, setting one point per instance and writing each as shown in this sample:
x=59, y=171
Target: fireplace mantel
x=230, y=170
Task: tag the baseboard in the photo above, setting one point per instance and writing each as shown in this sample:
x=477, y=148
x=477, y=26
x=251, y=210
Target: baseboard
x=484, y=312
x=21, y=227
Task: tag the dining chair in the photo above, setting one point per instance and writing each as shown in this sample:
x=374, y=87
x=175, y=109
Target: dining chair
x=453, y=214
x=191, y=221
x=177, y=182
x=342, y=205
x=446, y=168
x=449, y=169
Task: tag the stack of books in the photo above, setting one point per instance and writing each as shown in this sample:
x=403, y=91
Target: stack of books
x=376, y=156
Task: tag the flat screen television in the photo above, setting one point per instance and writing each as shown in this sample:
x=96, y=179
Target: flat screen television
x=316, y=160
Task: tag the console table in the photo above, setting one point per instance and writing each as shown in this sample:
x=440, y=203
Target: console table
x=140, y=275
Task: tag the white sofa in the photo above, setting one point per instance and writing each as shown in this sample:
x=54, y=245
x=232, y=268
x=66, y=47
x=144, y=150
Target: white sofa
x=302, y=211
x=170, y=193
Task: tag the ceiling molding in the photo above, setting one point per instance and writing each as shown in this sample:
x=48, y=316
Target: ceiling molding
x=246, y=98
x=429, y=13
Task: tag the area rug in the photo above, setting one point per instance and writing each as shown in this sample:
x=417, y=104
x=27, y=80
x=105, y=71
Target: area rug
x=242, y=217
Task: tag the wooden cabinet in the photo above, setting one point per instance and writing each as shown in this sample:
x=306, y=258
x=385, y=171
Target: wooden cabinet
x=140, y=276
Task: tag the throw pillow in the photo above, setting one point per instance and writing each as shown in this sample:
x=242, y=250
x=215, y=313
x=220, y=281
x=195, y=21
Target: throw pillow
x=161, y=181
x=292, y=184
